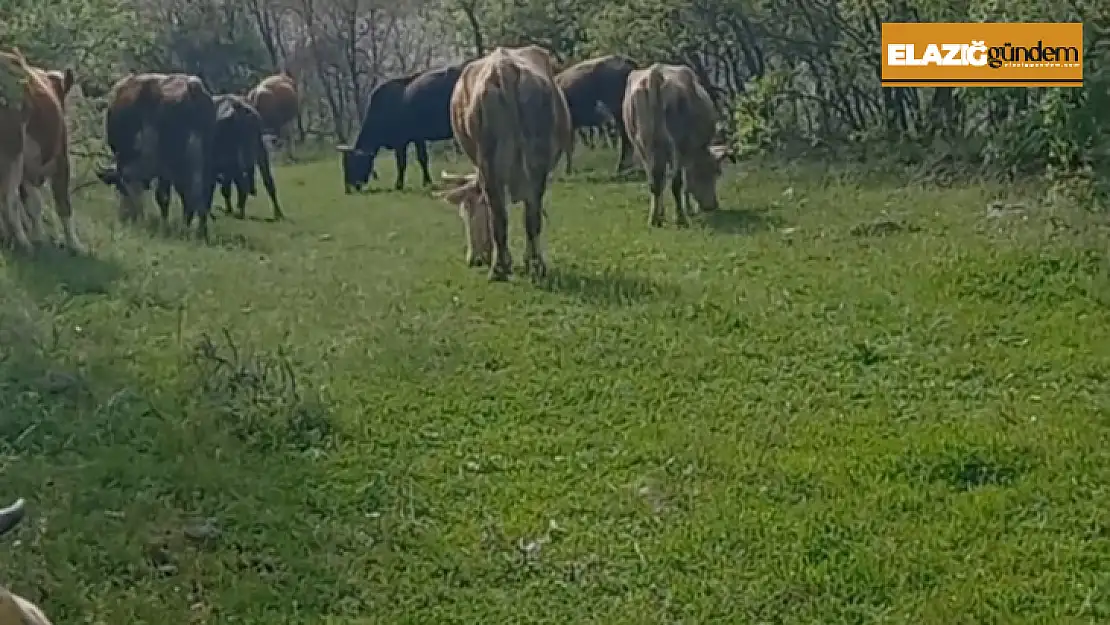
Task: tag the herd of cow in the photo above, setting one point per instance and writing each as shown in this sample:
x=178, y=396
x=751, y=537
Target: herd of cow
x=510, y=111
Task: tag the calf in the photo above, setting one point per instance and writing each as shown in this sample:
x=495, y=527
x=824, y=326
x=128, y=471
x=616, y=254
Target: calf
x=512, y=122
x=15, y=610
x=161, y=126
x=34, y=148
x=411, y=109
x=599, y=81
x=239, y=149
x=278, y=104
x=671, y=121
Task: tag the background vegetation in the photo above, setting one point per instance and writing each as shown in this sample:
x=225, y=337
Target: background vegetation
x=794, y=77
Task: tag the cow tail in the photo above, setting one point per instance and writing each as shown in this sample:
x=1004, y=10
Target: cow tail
x=656, y=130
x=512, y=155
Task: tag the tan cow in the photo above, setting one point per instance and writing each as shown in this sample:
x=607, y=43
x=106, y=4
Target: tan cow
x=671, y=122
x=513, y=123
x=35, y=148
x=276, y=99
x=15, y=610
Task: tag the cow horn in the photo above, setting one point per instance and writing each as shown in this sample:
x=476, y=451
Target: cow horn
x=11, y=516
x=343, y=148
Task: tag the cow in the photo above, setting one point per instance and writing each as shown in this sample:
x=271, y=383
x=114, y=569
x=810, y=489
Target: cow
x=513, y=123
x=34, y=148
x=278, y=103
x=671, y=122
x=161, y=126
x=15, y=610
x=238, y=150
x=409, y=109
x=590, y=83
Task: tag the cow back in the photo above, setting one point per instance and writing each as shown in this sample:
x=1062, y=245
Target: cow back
x=602, y=79
x=510, y=117
x=410, y=108
x=276, y=100
x=151, y=117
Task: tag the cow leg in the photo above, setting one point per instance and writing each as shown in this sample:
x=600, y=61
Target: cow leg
x=242, y=192
x=422, y=158
x=59, y=188
x=401, y=155
x=13, y=207
x=658, y=180
x=225, y=190
x=32, y=212
x=625, y=161
x=676, y=190
x=570, y=152
x=262, y=160
x=502, y=266
x=131, y=201
x=162, y=199
x=534, y=253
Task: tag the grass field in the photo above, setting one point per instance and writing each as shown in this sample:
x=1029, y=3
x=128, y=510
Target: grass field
x=834, y=402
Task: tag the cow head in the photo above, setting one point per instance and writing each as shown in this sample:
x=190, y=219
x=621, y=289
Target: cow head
x=703, y=172
x=465, y=193
x=358, y=165
x=129, y=187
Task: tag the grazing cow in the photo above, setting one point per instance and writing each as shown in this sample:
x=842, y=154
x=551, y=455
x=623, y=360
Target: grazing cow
x=239, y=149
x=34, y=148
x=598, y=81
x=278, y=103
x=671, y=121
x=15, y=610
x=411, y=109
x=161, y=126
x=512, y=122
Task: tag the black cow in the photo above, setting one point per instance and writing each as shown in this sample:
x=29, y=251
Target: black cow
x=411, y=109
x=161, y=126
x=598, y=81
x=239, y=149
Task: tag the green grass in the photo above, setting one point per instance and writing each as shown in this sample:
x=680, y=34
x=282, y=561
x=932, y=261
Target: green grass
x=780, y=415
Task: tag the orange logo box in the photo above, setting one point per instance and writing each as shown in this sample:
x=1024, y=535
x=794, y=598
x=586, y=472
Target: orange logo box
x=968, y=54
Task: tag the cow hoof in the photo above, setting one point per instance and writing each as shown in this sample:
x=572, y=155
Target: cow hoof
x=499, y=274
x=682, y=223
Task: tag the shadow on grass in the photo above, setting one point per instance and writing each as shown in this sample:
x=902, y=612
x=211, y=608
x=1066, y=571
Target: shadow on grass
x=608, y=176
x=738, y=221
x=218, y=236
x=52, y=269
x=607, y=287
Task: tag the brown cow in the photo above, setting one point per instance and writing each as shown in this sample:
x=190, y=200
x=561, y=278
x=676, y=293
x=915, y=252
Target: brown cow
x=513, y=123
x=35, y=149
x=161, y=127
x=593, y=82
x=277, y=101
x=15, y=610
x=671, y=122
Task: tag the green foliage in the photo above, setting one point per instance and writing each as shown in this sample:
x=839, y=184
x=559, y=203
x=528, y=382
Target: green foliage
x=758, y=115
x=95, y=38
